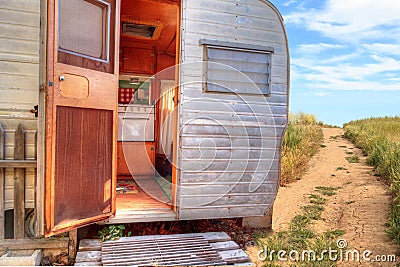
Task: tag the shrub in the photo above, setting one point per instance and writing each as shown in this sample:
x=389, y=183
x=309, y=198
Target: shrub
x=302, y=140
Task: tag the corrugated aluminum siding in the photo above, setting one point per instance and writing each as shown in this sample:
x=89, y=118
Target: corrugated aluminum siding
x=223, y=136
x=19, y=83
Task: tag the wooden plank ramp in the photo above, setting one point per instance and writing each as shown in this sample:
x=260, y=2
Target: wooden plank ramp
x=199, y=249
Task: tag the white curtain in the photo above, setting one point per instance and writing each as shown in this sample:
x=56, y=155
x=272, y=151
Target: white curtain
x=166, y=120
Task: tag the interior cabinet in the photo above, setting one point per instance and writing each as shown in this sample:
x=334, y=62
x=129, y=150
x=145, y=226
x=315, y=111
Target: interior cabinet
x=138, y=60
x=139, y=156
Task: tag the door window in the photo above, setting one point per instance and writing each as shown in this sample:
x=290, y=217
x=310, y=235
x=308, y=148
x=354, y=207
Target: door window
x=85, y=33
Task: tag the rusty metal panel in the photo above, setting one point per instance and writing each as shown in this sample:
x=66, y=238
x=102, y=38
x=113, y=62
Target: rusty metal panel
x=230, y=152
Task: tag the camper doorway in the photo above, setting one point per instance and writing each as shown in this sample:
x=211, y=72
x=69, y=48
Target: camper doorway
x=149, y=39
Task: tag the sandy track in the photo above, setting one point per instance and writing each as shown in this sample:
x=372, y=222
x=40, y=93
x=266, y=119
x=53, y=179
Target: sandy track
x=360, y=207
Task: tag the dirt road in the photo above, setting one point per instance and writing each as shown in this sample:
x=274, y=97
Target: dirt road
x=361, y=204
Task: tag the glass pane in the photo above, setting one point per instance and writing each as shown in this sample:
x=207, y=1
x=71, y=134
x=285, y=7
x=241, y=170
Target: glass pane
x=83, y=27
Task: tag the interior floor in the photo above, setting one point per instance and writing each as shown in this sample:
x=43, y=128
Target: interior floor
x=147, y=193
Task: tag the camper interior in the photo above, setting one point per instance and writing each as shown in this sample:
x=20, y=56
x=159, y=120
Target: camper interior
x=149, y=34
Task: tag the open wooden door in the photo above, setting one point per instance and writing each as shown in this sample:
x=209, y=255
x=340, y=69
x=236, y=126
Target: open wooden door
x=81, y=116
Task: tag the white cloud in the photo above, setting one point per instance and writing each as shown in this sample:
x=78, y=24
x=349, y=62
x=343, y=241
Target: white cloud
x=364, y=53
x=356, y=86
x=317, y=48
x=352, y=20
x=341, y=58
x=291, y=2
x=325, y=59
x=350, y=76
x=386, y=49
x=322, y=93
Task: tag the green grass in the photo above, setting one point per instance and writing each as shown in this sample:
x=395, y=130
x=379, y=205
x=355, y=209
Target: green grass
x=300, y=236
x=302, y=140
x=353, y=159
x=379, y=138
x=313, y=212
x=341, y=169
x=327, y=191
x=316, y=199
x=334, y=233
x=269, y=264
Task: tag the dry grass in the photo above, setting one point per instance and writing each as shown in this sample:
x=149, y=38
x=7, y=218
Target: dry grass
x=302, y=140
x=353, y=159
x=379, y=138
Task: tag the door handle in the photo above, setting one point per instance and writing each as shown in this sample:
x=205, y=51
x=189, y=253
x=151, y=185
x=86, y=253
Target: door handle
x=62, y=78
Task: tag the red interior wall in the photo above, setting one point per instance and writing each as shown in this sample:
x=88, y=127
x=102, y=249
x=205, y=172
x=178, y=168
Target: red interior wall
x=166, y=15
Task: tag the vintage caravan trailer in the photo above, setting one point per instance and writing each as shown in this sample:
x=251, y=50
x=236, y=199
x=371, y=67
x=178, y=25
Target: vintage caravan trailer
x=118, y=111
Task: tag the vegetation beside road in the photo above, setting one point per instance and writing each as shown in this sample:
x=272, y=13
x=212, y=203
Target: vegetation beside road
x=302, y=140
x=379, y=138
x=301, y=236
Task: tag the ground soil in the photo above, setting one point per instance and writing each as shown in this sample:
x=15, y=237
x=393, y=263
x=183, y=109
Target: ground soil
x=360, y=207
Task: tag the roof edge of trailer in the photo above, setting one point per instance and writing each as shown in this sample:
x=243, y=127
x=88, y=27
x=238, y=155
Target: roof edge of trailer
x=274, y=8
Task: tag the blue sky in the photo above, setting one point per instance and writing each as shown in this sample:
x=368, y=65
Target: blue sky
x=345, y=57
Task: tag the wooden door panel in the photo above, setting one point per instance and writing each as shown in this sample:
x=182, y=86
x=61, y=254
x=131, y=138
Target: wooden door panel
x=75, y=86
x=83, y=155
x=101, y=88
x=81, y=122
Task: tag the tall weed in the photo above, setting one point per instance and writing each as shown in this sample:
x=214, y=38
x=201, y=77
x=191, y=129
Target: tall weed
x=379, y=138
x=302, y=140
